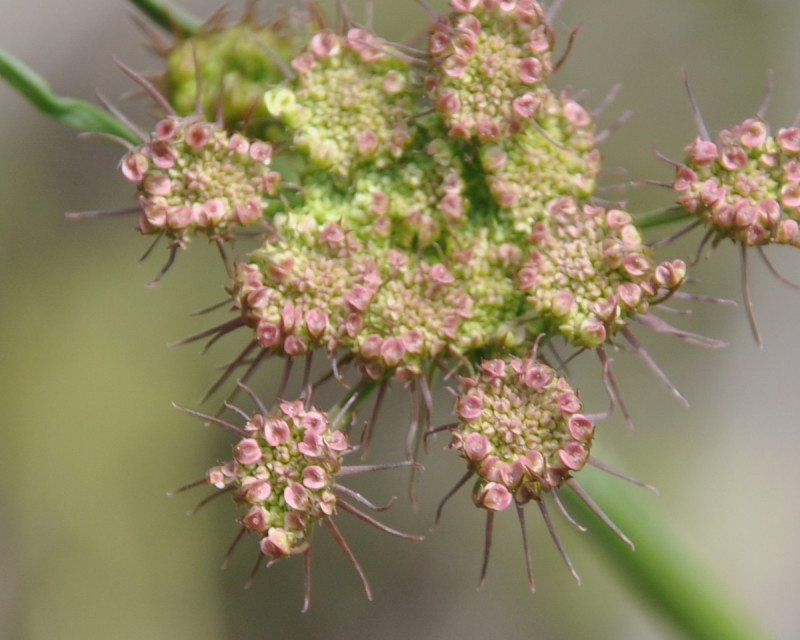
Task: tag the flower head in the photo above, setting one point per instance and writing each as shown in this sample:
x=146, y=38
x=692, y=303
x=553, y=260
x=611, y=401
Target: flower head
x=588, y=272
x=745, y=184
x=233, y=64
x=553, y=154
x=520, y=430
x=284, y=475
x=193, y=177
x=349, y=103
x=523, y=435
x=487, y=60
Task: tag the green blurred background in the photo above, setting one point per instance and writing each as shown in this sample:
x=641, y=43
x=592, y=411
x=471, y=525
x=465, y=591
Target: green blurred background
x=90, y=547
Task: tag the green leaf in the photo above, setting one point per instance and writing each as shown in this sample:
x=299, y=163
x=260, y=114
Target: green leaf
x=78, y=114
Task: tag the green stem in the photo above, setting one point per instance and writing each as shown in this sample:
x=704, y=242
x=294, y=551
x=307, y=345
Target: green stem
x=78, y=114
x=169, y=17
x=662, y=571
x=660, y=217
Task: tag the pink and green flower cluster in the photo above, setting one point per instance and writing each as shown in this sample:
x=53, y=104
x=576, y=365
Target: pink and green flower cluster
x=195, y=178
x=283, y=472
x=521, y=431
x=745, y=184
x=425, y=211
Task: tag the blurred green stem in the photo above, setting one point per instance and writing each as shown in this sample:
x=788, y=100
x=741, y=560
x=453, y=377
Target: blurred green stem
x=661, y=571
x=660, y=217
x=169, y=17
x=78, y=114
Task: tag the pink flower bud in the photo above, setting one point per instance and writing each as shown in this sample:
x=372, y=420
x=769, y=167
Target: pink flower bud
x=392, y=352
x=316, y=322
x=493, y=496
x=574, y=455
x=133, y=166
x=753, y=132
x=261, y=151
x=476, y=447
x=470, y=407
x=563, y=303
x=256, y=519
x=276, y=432
x=325, y=44
x=247, y=451
x=337, y=441
x=267, y=334
x=580, y=427
x=538, y=377
x=532, y=463
x=315, y=477
x=276, y=544
x=568, y=402
x=531, y=70
x=315, y=422
x=297, y=497
x=358, y=298
x=312, y=445
x=493, y=368
x=789, y=139
x=255, y=490
x=198, y=134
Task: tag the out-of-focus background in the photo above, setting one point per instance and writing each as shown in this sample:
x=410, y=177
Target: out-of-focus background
x=91, y=547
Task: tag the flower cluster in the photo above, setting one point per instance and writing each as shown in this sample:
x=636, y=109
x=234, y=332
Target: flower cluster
x=350, y=102
x=410, y=240
x=745, y=184
x=425, y=219
x=520, y=430
x=283, y=472
x=193, y=177
x=231, y=67
x=553, y=154
x=487, y=60
x=590, y=272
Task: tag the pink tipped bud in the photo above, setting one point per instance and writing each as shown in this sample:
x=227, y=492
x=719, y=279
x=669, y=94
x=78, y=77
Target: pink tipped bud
x=276, y=432
x=531, y=70
x=470, y=407
x=538, y=377
x=198, y=134
x=257, y=519
x=493, y=496
x=297, y=497
x=358, y=298
x=326, y=44
x=563, y=303
x=255, y=490
x=573, y=455
x=276, y=544
x=533, y=463
x=789, y=139
x=580, y=427
x=476, y=447
x=267, y=334
x=316, y=322
x=247, y=451
x=753, y=132
x=568, y=402
x=494, y=368
x=315, y=477
x=392, y=352
x=315, y=422
x=133, y=166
